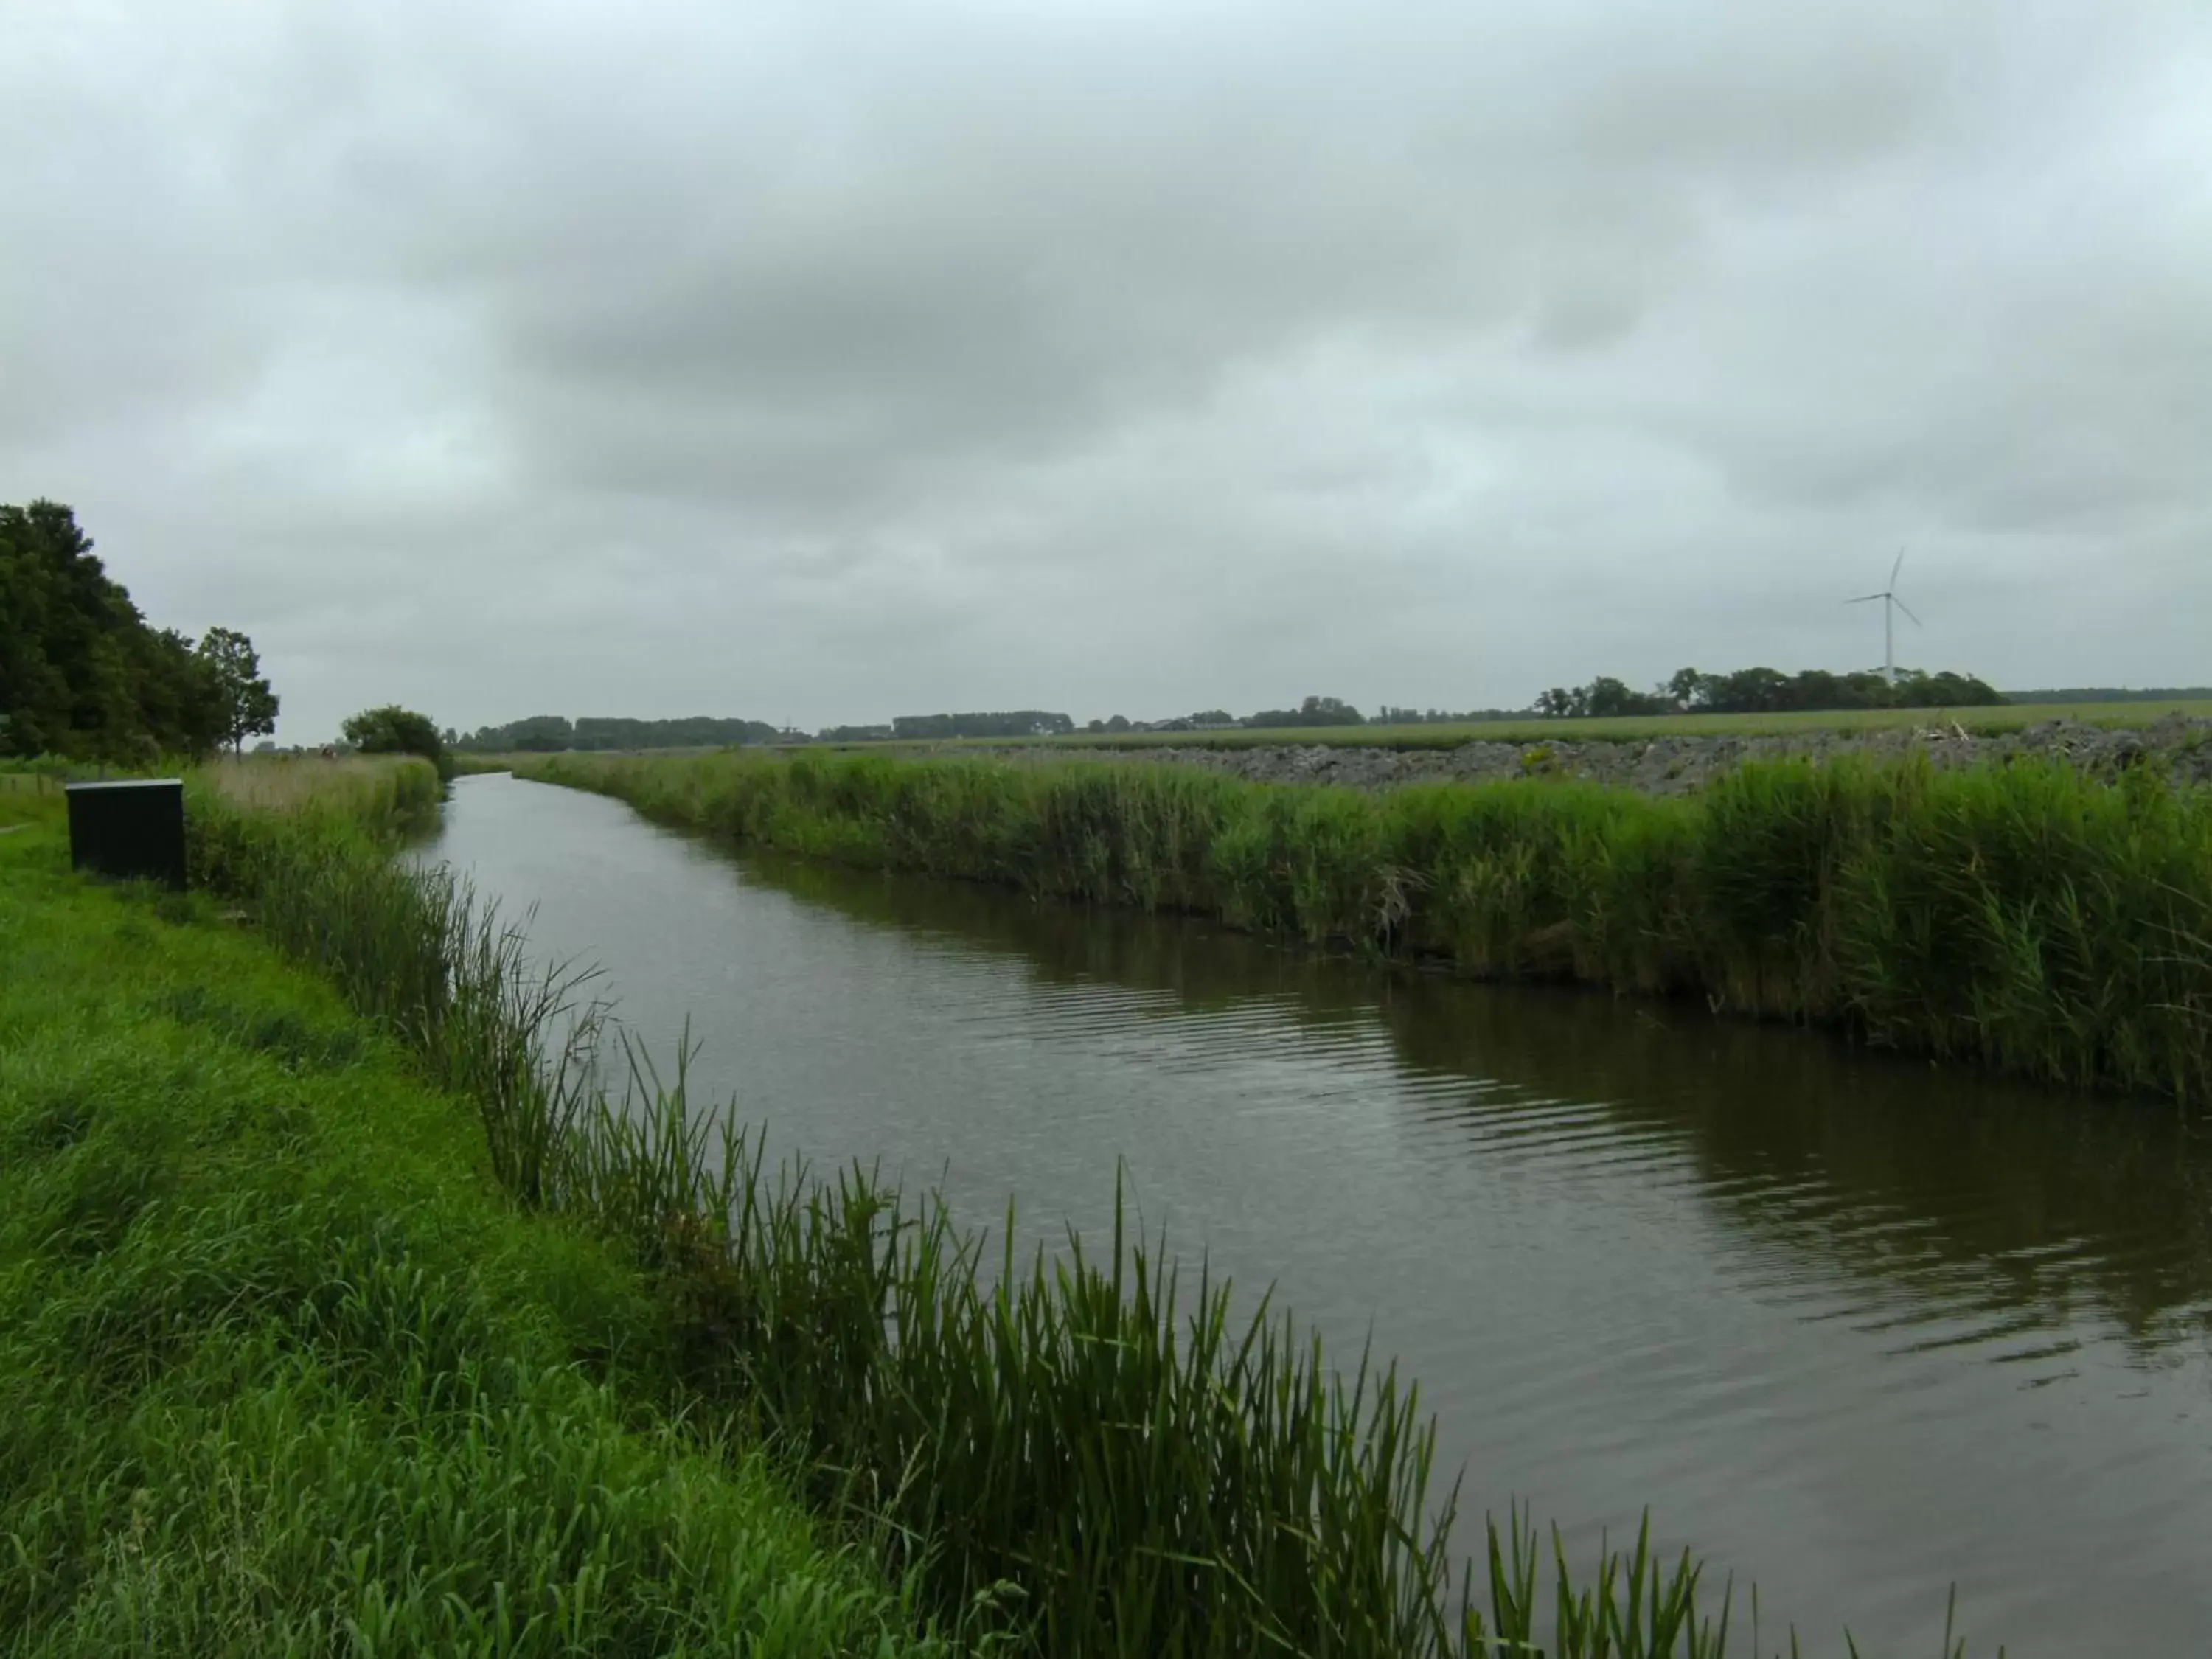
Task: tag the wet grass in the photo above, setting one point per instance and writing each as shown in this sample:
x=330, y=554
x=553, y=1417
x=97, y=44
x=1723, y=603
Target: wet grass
x=2024, y=918
x=280, y=1374
x=30, y=793
x=1080, y=1453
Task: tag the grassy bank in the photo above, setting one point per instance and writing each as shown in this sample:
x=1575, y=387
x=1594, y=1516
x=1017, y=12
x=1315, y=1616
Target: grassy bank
x=1087, y=1455
x=2026, y=918
x=349, y=1313
x=282, y=1373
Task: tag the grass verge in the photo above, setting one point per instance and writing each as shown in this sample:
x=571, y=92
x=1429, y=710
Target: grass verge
x=279, y=1372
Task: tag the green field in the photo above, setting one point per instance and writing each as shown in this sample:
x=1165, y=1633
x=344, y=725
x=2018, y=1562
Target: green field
x=2003, y=718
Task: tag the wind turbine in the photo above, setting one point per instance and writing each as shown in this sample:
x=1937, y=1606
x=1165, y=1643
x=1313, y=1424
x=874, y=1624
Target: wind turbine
x=1891, y=604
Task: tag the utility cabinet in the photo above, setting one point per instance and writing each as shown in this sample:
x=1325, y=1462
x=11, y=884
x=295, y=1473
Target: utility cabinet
x=131, y=827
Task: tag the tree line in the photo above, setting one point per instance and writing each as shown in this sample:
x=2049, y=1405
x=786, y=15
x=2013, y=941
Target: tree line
x=83, y=675
x=1012, y=723
x=1767, y=691
x=551, y=734
x=1313, y=711
x=1752, y=690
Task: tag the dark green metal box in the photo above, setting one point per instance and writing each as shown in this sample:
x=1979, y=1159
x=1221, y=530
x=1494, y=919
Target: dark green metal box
x=131, y=827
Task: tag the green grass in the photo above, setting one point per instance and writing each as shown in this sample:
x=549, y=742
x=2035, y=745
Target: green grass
x=280, y=1374
x=27, y=799
x=470, y=765
x=2024, y=918
x=389, y=790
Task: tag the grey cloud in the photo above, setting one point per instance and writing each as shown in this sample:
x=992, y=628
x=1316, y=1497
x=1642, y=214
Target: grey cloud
x=820, y=361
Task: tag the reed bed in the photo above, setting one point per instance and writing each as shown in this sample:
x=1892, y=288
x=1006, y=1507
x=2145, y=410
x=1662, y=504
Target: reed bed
x=1083, y=1453
x=387, y=791
x=2025, y=917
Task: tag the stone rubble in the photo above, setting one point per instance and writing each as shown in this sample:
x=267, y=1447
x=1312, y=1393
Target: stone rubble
x=1678, y=765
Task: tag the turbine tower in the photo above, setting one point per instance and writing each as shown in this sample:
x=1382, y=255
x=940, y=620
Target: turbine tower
x=1891, y=604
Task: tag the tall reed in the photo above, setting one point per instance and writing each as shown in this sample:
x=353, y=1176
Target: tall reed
x=384, y=791
x=1083, y=1449
x=2026, y=917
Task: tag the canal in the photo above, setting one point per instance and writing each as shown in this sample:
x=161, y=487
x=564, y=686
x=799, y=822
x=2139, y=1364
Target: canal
x=1850, y=1326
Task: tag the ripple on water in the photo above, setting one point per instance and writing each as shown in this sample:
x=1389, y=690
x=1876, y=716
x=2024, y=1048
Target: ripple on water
x=1855, y=1328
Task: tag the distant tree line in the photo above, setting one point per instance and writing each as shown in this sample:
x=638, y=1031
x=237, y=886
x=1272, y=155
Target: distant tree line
x=549, y=734
x=1313, y=711
x=1752, y=690
x=83, y=675
x=1016, y=723
x=1391, y=715
x=1766, y=691
x=1206, y=720
x=2115, y=694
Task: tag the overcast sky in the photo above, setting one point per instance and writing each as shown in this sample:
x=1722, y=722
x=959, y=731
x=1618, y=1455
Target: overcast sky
x=815, y=361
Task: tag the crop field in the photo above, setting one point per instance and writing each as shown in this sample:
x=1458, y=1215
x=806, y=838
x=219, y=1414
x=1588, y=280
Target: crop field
x=2012, y=717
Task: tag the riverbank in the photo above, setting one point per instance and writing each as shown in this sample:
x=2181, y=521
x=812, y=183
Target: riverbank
x=369, y=1321
x=2029, y=919
x=1670, y=762
x=281, y=1370
x=406, y=1249
x=992, y=1441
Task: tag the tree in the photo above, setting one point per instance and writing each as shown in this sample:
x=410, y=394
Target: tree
x=1607, y=698
x=1769, y=691
x=1313, y=711
x=392, y=730
x=245, y=706
x=82, y=674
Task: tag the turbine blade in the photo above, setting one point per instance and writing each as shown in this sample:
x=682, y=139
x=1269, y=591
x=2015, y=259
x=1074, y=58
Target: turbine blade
x=1866, y=599
x=1899, y=566
x=1901, y=605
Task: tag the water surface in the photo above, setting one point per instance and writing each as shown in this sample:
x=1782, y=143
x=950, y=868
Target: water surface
x=1850, y=1325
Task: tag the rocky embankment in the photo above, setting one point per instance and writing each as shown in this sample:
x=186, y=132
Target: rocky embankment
x=1679, y=765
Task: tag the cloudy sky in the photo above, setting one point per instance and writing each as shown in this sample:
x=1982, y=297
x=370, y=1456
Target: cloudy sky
x=821, y=360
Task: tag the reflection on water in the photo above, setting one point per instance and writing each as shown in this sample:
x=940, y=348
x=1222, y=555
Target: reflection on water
x=1852, y=1326
x=1974, y=1192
